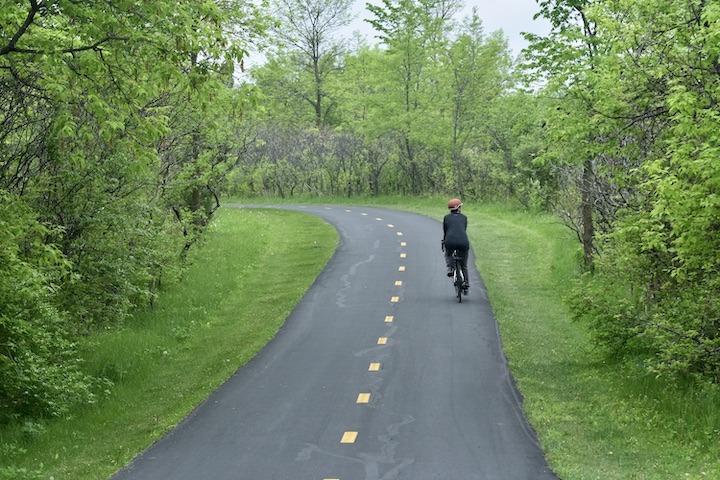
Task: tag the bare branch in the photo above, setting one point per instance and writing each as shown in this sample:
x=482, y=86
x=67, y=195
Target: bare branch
x=35, y=7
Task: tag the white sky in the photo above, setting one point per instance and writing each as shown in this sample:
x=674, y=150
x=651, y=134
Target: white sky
x=510, y=16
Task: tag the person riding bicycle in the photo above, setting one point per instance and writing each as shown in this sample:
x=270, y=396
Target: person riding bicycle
x=455, y=238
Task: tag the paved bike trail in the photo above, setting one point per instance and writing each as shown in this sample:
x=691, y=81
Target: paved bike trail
x=378, y=374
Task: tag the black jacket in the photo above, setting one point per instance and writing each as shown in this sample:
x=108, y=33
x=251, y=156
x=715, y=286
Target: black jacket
x=455, y=231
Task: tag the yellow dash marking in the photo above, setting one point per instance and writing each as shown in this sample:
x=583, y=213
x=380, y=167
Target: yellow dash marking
x=348, y=211
x=378, y=219
x=395, y=299
x=391, y=225
x=401, y=269
x=364, y=214
x=363, y=398
x=349, y=437
x=398, y=283
x=403, y=244
x=382, y=341
x=374, y=367
x=389, y=319
x=399, y=234
x=403, y=255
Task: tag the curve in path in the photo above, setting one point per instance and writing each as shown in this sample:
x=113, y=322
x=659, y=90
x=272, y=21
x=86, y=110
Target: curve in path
x=378, y=374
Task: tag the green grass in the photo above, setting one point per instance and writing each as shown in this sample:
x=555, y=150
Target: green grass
x=170, y=357
x=595, y=419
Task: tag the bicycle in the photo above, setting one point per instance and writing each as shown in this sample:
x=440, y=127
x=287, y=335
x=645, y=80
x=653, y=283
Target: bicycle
x=458, y=277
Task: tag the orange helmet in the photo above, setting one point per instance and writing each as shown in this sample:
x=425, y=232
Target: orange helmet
x=454, y=204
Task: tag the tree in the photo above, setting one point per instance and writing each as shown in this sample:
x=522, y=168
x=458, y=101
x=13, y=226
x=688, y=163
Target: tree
x=414, y=33
x=361, y=96
x=650, y=99
x=94, y=98
x=306, y=36
x=569, y=55
x=478, y=74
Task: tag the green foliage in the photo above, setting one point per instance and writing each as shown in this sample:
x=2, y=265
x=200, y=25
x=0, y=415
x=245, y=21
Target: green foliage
x=39, y=368
x=118, y=122
x=309, y=46
x=420, y=113
x=638, y=104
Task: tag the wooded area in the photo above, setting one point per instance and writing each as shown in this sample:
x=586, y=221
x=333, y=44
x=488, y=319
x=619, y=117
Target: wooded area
x=118, y=121
x=124, y=123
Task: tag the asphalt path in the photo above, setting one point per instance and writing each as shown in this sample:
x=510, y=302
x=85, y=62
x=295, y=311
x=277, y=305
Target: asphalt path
x=378, y=374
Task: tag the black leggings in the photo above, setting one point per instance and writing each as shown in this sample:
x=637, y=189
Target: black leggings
x=463, y=253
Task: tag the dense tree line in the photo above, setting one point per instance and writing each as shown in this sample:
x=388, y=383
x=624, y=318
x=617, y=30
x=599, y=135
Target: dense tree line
x=432, y=107
x=118, y=120
x=635, y=125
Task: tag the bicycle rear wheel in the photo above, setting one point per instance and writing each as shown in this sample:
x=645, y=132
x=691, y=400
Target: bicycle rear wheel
x=459, y=281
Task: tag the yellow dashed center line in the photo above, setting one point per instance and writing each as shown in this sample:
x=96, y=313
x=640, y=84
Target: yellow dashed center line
x=349, y=437
x=364, y=214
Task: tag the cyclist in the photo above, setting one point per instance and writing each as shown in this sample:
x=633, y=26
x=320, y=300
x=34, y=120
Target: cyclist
x=455, y=238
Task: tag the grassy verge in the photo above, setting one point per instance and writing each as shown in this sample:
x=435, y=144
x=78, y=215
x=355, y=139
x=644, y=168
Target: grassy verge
x=169, y=358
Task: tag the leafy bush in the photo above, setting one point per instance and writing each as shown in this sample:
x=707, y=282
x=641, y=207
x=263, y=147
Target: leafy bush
x=39, y=371
x=119, y=252
x=639, y=306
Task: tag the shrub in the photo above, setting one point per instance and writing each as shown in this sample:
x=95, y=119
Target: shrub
x=639, y=307
x=39, y=371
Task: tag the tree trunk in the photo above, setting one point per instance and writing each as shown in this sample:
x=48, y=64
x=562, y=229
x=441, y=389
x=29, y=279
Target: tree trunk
x=459, y=172
x=586, y=215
